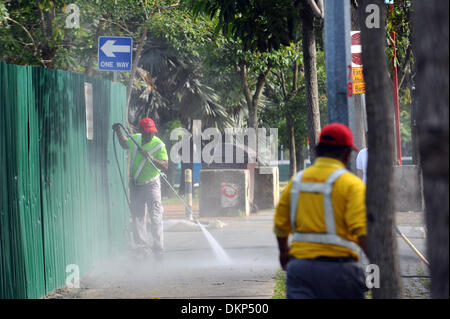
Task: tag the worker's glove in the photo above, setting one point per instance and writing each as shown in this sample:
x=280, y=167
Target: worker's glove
x=116, y=126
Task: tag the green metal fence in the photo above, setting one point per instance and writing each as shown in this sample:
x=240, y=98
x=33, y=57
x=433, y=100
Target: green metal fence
x=61, y=200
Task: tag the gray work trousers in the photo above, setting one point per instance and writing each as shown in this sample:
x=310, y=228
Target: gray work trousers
x=147, y=198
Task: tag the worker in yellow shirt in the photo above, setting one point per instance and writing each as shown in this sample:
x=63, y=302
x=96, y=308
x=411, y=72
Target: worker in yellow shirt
x=324, y=209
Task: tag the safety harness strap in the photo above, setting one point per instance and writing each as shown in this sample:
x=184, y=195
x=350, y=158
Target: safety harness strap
x=326, y=239
x=141, y=166
x=330, y=237
x=330, y=222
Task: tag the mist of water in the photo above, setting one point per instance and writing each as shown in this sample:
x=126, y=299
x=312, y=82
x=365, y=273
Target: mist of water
x=218, y=250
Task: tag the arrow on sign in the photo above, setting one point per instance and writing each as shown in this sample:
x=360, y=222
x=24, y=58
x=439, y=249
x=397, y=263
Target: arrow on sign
x=109, y=48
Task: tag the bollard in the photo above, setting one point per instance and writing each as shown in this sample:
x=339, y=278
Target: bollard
x=188, y=192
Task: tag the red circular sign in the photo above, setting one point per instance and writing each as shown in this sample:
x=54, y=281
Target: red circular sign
x=229, y=190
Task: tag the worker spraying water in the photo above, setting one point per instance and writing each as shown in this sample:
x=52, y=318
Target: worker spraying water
x=145, y=184
x=148, y=151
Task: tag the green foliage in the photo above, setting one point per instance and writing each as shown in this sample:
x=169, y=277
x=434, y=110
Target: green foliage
x=279, y=291
x=30, y=35
x=191, y=57
x=274, y=115
x=262, y=25
x=188, y=35
x=3, y=13
x=36, y=32
x=399, y=21
x=174, y=59
x=405, y=121
x=165, y=129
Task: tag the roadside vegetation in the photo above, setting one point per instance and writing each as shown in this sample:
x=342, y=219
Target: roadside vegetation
x=279, y=291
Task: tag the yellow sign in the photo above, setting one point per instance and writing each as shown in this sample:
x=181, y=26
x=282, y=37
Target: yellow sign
x=359, y=88
x=358, y=81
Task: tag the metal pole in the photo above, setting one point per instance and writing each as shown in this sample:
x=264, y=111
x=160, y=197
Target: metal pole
x=338, y=62
x=188, y=192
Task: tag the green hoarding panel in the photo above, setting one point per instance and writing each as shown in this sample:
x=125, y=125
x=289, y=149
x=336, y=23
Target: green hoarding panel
x=61, y=201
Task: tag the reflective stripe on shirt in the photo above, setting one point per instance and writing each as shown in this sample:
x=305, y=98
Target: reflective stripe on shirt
x=330, y=237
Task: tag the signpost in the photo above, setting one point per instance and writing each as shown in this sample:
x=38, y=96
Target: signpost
x=115, y=53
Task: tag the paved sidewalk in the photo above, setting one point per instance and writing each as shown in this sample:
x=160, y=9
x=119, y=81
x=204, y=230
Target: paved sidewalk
x=190, y=268
x=412, y=224
x=414, y=272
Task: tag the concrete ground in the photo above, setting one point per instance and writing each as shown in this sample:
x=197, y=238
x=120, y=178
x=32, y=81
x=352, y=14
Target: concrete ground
x=415, y=273
x=190, y=269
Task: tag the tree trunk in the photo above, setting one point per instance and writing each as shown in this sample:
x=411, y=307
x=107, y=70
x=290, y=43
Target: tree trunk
x=431, y=52
x=312, y=88
x=292, y=147
x=382, y=241
x=252, y=116
x=252, y=100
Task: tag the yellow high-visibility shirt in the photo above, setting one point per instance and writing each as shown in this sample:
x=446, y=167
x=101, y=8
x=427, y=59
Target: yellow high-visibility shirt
x=348, y=198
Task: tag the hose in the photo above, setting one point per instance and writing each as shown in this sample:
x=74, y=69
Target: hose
x=120, y=171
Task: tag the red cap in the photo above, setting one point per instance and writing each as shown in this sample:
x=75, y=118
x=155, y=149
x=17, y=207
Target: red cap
x=337, y=134
x=148, y=125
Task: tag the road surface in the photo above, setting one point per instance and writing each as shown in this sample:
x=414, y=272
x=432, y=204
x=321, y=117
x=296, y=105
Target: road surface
x=190, y=268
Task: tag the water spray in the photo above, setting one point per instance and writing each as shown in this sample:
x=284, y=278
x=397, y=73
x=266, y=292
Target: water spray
x=218, y=250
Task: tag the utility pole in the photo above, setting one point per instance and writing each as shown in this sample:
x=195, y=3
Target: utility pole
x=339, y=64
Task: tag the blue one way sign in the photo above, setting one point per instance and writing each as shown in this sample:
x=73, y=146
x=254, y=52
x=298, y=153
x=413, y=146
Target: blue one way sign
x=115, y=53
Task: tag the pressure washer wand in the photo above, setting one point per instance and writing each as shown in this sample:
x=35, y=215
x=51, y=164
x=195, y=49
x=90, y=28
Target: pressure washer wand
x=147, y=156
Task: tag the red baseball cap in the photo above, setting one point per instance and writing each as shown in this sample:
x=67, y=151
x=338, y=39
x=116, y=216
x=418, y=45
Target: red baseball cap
x=337, y=134
x=148, y=125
